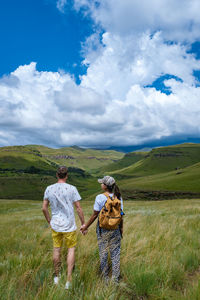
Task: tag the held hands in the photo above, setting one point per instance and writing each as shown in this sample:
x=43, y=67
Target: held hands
x=83, y=230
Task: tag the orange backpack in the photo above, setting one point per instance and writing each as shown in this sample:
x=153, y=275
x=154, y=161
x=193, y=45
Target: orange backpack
x=110, y=215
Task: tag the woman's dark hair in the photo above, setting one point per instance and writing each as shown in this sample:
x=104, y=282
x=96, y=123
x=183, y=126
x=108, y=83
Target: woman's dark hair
x=115, y=190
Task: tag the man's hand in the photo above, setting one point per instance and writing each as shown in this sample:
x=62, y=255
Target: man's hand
x=83, y=229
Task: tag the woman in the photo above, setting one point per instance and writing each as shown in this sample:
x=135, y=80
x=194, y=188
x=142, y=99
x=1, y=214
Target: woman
x=108, y=239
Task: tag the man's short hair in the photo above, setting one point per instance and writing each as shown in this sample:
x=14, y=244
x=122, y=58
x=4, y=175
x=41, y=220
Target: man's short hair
x=62, y=172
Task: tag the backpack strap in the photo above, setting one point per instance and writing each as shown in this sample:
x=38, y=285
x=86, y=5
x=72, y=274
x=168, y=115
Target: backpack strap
x=107, y=196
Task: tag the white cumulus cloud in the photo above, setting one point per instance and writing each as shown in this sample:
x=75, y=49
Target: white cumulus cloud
x=49, y=108
x=178, y=20
x=124, y=61
x=115, y=103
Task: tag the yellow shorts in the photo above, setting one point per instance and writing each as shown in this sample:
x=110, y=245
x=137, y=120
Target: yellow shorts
x=70, y=239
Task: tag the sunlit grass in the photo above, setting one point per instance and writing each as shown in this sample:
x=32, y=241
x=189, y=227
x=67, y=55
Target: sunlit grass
x=160, y=254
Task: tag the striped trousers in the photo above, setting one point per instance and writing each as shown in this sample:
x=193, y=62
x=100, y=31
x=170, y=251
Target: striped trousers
x=109, y=241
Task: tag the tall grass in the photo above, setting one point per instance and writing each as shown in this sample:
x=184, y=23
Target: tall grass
x=160, y=254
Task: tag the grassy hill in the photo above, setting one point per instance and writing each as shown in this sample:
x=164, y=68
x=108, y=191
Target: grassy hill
x=182, y=183
x=86, y=159
x=161, y=160
x=25, y=171
x=126, y=161
x=166, y=172
x=32, y=186
x=163, y=173
x=44, y=157
x=22, y=158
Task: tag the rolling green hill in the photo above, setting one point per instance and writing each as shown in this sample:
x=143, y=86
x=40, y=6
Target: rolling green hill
x=86, y=159
x=161, y=160
x=32, y=186
x=44, y=160
x=21, y=158
x=126, y=161
x=162, y=173
x=180, y=183
x=25, y=171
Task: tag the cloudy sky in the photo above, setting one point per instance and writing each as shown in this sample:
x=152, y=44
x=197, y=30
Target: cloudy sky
x=99, y=73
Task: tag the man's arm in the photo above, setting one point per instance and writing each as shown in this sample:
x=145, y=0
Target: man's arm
x=90, y=221
x=45, y=210
x=79, y=212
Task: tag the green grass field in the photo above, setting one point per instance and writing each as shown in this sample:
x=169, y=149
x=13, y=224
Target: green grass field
x=160, y=254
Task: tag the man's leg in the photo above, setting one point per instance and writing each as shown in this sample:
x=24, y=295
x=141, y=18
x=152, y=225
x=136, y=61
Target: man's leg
x=56, y=260
x=70, y=263
x=57, y=244
x=70, y=241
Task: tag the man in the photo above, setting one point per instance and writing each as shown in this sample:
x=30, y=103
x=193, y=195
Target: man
x=62, y=197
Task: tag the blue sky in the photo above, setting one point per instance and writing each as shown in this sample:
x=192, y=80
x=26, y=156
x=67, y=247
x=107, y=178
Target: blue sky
x=38, y=31
x=99, y=73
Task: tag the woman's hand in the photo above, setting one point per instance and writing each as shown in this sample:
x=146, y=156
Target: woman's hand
x=83, y=229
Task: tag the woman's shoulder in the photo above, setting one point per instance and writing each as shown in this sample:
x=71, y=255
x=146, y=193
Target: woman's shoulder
x=100, y=197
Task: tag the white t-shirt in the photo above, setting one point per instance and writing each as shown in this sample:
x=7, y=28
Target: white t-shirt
x=61, y=197
x=101, y=200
